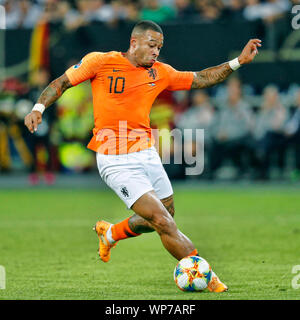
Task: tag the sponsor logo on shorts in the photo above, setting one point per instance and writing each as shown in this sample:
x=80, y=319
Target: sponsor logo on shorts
x=124, y=192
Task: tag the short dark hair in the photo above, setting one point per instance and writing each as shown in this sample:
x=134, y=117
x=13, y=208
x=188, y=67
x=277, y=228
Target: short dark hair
x=145, y=25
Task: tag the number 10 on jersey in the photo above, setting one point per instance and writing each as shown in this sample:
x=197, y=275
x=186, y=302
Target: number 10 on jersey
x=116, y=84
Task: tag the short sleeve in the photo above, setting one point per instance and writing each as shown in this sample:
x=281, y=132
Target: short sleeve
x=86, y=68
x=178, y=80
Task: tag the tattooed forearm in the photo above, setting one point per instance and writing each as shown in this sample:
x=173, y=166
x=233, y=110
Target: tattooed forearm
x=210, y=76
x=55, y=89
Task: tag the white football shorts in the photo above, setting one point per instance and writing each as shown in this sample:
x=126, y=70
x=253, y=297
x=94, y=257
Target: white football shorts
x=134, y=174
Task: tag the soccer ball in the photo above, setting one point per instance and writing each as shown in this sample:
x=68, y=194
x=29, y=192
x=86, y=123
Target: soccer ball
x=192, y=274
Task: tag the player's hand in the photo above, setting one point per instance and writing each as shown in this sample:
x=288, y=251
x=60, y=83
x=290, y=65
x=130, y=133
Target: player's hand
x=32, y=120
x=250, y=51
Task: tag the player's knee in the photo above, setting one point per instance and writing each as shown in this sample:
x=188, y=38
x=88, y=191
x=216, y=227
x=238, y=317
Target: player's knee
x=163, y=223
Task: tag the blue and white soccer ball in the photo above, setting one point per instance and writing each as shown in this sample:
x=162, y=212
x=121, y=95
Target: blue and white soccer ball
x=192, y=274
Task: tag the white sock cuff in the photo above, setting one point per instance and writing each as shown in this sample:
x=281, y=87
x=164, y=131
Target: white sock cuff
x=109, y=236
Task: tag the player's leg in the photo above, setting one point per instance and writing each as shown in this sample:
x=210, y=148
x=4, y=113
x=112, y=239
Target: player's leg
x=153, y=211
x=133, y=226
x=162, y=187
x=139, y=225
x=151, y=214
x=156, y=178
x=126, y=175
x=109, y=234
x=168, y=203
x=136, y=190
x=164, y=191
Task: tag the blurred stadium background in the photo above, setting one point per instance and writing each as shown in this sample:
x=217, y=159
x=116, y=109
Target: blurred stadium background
x=242, y=212
x=251, y=121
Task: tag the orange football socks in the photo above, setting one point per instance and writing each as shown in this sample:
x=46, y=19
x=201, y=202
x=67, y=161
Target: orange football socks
x=122, y=230
x=193, y=253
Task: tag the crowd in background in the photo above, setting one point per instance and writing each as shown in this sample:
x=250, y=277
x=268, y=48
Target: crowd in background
x=76, y=13
x=252, y=133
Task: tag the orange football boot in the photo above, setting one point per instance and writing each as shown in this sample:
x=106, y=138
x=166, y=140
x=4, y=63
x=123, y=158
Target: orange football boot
x=101, y=228
x=215, y=285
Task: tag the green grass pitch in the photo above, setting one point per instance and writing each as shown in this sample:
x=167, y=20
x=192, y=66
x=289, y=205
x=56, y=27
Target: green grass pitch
x=250, y=237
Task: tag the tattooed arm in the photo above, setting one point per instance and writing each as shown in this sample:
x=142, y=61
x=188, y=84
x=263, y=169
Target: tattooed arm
x=211, y=76
x=54, y=90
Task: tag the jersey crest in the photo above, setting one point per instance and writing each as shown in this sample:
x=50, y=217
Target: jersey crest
x=124, y=192
x=152, y=73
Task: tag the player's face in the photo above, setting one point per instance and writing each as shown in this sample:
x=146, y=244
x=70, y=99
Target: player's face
x=147, y=48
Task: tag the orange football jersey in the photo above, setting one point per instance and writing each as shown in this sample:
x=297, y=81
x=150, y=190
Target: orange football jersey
x=122, y=97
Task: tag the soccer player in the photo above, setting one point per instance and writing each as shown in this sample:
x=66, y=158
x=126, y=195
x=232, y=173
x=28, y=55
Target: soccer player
x=124, y=87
